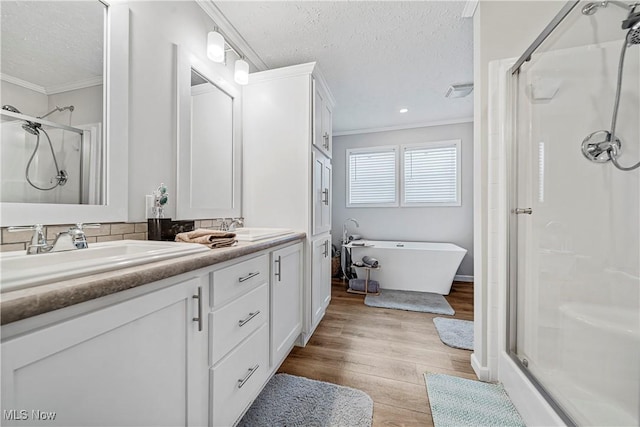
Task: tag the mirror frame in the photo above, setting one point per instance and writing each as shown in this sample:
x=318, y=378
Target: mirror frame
x=116, y=117
x=186, y=61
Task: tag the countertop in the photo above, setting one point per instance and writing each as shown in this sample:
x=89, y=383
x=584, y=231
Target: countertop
x=24, y=303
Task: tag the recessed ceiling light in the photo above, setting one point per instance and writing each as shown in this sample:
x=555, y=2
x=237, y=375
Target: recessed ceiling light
x=404, y=110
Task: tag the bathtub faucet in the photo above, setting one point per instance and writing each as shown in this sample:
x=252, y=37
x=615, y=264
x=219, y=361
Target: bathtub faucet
x=344, y=229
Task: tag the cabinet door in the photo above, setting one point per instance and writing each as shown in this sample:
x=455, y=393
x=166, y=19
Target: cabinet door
x=320, y=279
x=129, y=364
x=317, y=193
x=321, y=189
x=286, y=300
x=322, y=117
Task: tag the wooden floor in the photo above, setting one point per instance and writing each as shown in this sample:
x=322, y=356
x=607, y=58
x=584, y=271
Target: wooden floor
x=383, y=353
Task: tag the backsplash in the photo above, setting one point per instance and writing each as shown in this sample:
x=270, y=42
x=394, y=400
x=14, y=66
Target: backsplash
x=17, y=241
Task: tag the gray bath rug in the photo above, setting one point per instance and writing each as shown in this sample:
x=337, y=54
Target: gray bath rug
x=425, y=302
x=460, y=402
x=455, y=333
x=288, y=400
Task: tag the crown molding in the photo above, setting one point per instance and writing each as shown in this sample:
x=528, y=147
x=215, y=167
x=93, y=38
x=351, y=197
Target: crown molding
x=23, y=83
x=81, y=84
x=52, y=90
x=231, y=35
x=278, y=73
x=404, y=127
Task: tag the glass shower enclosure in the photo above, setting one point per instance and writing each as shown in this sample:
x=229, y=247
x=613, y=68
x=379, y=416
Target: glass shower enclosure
x=574, y=318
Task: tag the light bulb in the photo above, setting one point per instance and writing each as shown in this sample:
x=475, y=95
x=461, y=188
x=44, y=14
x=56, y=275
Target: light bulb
x=215, y=46
x=241, y=74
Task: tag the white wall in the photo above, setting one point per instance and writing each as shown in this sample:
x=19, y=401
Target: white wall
x=431, y=224
x=87, y=104
x=155, y=27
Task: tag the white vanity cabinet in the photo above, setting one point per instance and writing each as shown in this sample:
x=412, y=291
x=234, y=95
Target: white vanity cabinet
x=239, y=344
x=286, y=165
x=135, y=363
x=254, y=321
x=190, y=350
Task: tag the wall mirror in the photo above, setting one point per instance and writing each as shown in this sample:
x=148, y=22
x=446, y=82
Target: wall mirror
x=209, y=162
x=63, y=65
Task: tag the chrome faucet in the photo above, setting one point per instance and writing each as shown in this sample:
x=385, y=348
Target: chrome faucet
x=72, y=239
x=344, y=229
x=231, y=225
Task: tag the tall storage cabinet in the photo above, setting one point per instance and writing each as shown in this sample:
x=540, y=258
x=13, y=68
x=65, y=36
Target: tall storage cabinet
x=287, y=146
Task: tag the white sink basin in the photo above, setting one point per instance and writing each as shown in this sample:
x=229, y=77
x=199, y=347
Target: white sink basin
x=18, y=270
x=251, y=234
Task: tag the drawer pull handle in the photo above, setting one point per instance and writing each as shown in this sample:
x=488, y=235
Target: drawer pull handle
x=248, y=276
x=246, y=378
x=243, y=322
x=199, y=318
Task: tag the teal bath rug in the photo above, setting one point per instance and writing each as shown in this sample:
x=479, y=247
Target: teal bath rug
x=461, y=402
x=455, y=333
x=292, y=401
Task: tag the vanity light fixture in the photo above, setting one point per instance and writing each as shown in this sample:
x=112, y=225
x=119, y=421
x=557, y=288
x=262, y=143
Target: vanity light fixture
x=241, y=73
x=215, y=46
x=403, y=110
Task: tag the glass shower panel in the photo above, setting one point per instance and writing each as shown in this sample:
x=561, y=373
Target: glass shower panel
x=578, y=256
x=23, y=155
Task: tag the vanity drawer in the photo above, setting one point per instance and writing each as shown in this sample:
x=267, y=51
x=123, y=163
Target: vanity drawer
x=233, y=281
x=234, y=322
x=238, y=379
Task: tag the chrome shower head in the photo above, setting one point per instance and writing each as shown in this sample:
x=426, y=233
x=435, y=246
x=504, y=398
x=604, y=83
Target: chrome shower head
x=11, y=108
x=633, y=36
x=31, y=128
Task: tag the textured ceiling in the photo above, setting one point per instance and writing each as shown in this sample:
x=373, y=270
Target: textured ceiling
x=52, y=43
x=376, y=56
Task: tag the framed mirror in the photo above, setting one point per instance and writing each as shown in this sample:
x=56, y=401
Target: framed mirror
x=64, y=115
x=209, y=132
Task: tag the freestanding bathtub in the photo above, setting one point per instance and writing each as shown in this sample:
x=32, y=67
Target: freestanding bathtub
x=411, y=266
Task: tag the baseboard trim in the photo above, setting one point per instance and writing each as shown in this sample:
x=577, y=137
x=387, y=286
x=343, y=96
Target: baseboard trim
x=463, y=278
x=482, y=372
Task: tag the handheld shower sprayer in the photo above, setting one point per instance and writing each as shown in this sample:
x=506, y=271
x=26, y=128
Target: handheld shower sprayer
x=35, y=128
x=603, y=145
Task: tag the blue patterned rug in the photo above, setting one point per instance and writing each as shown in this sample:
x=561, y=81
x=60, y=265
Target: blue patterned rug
x=461, y=402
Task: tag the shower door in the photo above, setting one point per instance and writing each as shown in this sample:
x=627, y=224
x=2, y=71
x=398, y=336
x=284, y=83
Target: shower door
x=575, y=287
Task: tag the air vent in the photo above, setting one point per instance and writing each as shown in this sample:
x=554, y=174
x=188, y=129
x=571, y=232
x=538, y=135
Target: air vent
x=459, y=90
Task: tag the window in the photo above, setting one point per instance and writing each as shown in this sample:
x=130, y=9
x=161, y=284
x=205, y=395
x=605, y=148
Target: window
x=431, y=174
x=372, y=177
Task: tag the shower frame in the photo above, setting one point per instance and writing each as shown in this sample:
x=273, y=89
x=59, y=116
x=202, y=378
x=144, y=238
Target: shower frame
x=512, y=203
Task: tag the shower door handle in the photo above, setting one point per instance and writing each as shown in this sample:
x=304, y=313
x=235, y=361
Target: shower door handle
x=520, y=211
